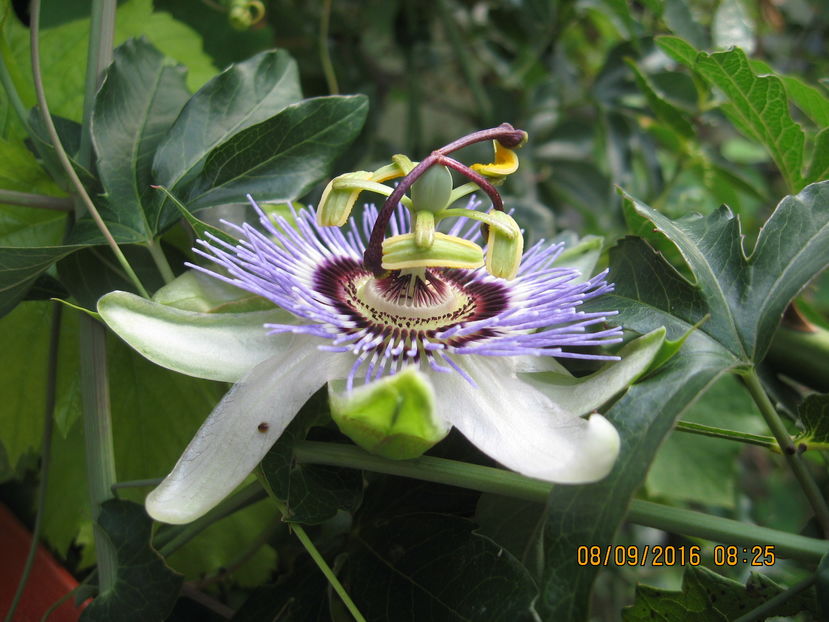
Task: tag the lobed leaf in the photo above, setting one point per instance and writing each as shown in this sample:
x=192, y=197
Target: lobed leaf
x=145, y=588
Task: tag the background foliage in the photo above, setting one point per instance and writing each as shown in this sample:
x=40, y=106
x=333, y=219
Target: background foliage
x=644, y=121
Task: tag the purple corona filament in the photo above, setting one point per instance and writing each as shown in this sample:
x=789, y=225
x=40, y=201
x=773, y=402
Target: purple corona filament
x=430, y=317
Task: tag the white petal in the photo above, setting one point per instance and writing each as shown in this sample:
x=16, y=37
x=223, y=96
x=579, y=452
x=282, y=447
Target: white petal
x=521, y=428
x=239, y=432
x=216, y=346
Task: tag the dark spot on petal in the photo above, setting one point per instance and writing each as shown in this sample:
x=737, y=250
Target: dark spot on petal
x=263, y=427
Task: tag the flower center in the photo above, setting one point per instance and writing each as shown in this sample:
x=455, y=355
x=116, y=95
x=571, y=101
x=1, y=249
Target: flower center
x=407, y=315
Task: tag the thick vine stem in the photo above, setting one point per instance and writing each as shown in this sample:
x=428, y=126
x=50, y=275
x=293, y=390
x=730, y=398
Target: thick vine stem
x=509, y=484
x=784, y=439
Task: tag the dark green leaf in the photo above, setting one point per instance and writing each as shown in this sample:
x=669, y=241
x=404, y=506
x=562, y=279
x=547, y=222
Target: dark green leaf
x=21, y=266
x=709, y=596
x=700, y=469
x=814, y=415
x=301, y=597
x=746, y=296
x=137, y=103
x=145, y=588
x=69, y=133
x=243, y=95
x=516, y=525
x=433, y=567
x=664, y=110
x=819, y=166
x=283, y=157
x=590, y=515
x=312, y=493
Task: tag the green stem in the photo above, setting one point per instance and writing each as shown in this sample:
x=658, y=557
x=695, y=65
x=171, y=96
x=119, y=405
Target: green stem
x=137, y=483
x=742, y=437
x=319, y=560
x=507, y=483
x=100, y=455
x=42, y=201
x=98, y=58
x=160, y=261
x=765, y=610
x=796, y=464
x=61, y=153
x=325, y=54
x=45, y=456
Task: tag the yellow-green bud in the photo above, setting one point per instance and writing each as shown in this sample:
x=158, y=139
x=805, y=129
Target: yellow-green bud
x=392, y=417
x=336, y=203
x=447, y=251
x=432, y=190
x=504, y=251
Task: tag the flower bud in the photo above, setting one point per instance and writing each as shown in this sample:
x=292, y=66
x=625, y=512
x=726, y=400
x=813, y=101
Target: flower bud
x=336, y=203
x=503, y=252
x=432, y=189
x=447, y=251
x=392, y=417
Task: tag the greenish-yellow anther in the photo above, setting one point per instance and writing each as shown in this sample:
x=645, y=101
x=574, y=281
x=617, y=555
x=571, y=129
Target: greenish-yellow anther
x=447, y=251
x=504, y=250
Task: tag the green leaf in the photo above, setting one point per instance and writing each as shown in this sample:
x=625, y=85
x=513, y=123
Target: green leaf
x=20, y=267
x=427, y=566
x=819, y=166
x=137, y=103
x=591, y=514
x=23, y=386
x=746, y=296
x=145, y=588
x=811, y=100
x=707, y=595
x=699, y=469
x=64, y=50
x=243, y=95
x=301, y=597
x=282, y=157
x=664, y=110
x=311, y=493
x=757, y=105
x=814, y=415
x=678, y=49
x=516, y=525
